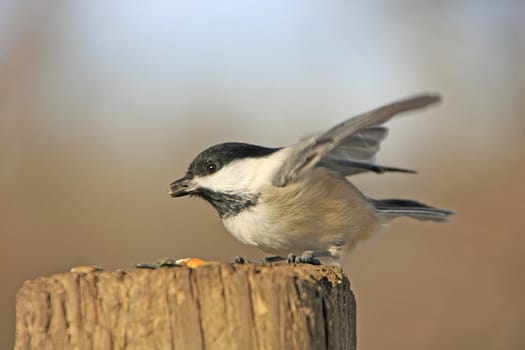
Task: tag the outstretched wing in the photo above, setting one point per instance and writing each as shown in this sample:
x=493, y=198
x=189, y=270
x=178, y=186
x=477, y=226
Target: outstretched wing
x=356, y=154
x=362, y=145
x=309, y=152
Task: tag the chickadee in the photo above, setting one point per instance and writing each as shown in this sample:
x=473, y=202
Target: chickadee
x=296, y=201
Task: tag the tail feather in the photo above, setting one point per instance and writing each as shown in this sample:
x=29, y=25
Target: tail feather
x=413, y=209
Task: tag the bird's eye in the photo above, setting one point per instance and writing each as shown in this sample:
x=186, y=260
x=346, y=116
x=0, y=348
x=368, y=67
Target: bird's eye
x=211, y=168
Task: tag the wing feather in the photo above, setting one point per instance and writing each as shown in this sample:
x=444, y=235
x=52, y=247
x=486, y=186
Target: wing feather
x=362, y=145
x=352, y=167
x=309, y=152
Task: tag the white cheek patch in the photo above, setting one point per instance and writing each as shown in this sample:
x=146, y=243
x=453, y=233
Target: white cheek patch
x=244, y=175
x=226, y=179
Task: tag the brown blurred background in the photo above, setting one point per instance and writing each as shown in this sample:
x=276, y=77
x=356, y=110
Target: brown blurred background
x=102, y=104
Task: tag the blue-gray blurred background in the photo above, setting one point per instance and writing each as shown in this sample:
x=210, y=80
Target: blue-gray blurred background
x=103, y=103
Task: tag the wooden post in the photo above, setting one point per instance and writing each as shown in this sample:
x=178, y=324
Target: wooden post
x=222, y=306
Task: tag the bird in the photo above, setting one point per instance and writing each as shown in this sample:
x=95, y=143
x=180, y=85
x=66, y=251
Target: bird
x=296, y=202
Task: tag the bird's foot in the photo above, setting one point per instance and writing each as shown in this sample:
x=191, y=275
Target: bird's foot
x=308, y=257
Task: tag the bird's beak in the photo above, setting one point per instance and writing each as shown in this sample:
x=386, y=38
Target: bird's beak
x=181, y=187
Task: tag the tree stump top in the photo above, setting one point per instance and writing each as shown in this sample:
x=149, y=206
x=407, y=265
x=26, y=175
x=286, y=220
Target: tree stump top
x=219, y=306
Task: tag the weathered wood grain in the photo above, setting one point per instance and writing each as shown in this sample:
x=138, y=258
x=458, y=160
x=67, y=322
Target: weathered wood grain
x=224, y=306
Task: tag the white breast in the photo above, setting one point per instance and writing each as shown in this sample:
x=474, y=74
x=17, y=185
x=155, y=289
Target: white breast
x=249, y=226
x=258, y=228
x=322, y=213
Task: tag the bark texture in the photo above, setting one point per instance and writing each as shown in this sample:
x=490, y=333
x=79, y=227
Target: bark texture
x=223, y=306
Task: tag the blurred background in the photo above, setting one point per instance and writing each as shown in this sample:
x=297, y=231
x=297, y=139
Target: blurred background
x=102, y=104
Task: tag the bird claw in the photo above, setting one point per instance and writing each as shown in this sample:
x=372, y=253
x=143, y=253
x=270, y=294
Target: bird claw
x=308, y=257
